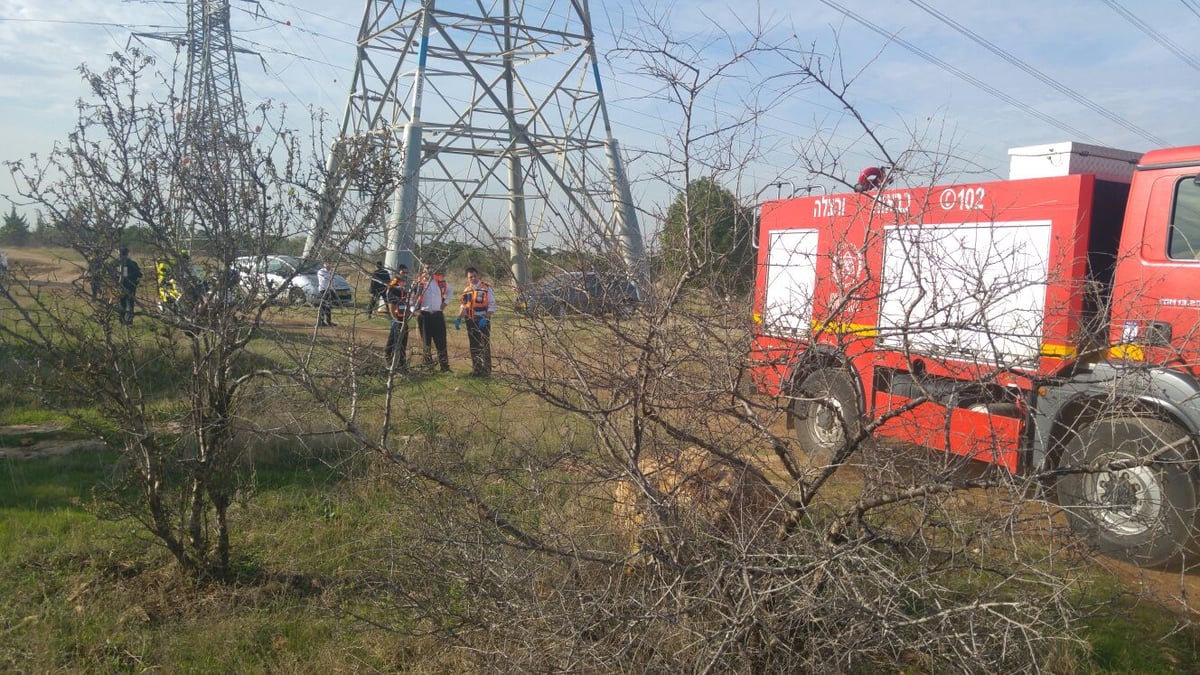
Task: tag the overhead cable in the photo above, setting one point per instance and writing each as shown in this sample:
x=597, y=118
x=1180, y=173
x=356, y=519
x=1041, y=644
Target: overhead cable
x=1158, y=37
x=966, y=77
x=1041, y=77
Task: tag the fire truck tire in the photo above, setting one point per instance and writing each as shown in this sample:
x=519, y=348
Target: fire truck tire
x=825, y=414
x=1143, y=514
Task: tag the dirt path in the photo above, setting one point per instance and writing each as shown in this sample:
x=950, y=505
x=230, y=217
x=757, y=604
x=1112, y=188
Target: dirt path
x=26, y=441
x=46, y=267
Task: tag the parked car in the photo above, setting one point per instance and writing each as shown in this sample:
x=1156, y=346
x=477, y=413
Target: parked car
x=580, y=293
x=260, y=276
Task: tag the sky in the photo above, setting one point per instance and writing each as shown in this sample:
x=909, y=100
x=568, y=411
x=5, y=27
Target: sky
x=969, y=78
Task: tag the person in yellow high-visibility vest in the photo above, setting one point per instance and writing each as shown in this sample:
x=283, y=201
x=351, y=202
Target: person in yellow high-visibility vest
x=168, y=283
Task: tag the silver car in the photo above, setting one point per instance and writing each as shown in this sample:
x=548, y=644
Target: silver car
x=261, y=276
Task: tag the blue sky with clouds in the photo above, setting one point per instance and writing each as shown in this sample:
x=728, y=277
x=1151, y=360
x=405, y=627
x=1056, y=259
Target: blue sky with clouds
x=1136, y=61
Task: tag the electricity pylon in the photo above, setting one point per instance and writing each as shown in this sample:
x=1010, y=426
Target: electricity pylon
x=493, y=112
x=212, y=91
x=211, y=113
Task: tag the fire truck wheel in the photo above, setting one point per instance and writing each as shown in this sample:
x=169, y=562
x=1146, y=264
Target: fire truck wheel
x=1140, y=513
x=825, y=413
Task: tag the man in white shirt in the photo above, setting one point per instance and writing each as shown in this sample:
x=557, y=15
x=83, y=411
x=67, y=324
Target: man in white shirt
x=429, y=304
x=324, y=288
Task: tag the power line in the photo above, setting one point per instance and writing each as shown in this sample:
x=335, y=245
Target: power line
x=103, y=24
x=1039, y=75
x=304, y=61
x=1193, y=6
x=1154, y=35
x=966, y=77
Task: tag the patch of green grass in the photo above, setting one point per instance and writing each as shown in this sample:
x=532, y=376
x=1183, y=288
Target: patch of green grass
x=58, y=482
x=32, y=416
x=1141, y=638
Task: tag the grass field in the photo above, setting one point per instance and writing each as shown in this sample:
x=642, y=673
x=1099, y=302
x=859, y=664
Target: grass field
x=344, y=563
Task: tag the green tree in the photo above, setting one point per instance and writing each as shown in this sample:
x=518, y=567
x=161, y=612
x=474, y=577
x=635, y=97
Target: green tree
x=15, y=231
x=707, y=235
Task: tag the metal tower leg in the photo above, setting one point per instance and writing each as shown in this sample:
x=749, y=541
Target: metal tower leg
x=499, y=123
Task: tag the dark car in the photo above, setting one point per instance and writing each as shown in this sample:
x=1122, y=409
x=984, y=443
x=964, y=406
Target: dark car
x=580, y=293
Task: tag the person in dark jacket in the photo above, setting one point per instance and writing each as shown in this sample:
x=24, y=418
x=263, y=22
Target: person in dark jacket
x=379, y=283
x=396, y=298
x=129, y=274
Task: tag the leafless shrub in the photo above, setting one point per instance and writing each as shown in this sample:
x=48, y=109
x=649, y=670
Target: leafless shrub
x=133, y=165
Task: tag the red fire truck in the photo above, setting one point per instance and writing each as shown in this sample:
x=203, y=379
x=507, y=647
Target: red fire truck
x=1049, y=323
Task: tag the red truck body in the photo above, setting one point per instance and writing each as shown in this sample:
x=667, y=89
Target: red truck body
x=1002, y=321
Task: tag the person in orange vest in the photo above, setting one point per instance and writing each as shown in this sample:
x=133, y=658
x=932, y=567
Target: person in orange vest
x=430, y=298
x=396, y=298
x=478, y=305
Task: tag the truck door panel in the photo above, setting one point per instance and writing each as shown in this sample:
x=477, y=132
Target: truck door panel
x=1157, y=297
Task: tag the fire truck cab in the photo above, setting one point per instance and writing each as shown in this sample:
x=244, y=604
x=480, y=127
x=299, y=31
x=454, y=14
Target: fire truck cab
x=1049, y=323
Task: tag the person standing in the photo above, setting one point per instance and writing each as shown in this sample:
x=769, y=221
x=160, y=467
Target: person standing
x=478, y=305
x=396, y=299
x=380, y=279
x=324, y=289
x=129, y=274
x=95, y=272
x=429, y=303
x=174, y=275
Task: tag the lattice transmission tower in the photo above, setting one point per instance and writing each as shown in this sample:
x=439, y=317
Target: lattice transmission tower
x=496, y=122
x=210, y=112
x=212, y=92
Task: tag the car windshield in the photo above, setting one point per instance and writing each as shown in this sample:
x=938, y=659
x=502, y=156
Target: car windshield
x=309, y=268
x=286, y=266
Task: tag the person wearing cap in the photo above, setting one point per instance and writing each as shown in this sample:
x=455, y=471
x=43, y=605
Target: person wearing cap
x=396, y=300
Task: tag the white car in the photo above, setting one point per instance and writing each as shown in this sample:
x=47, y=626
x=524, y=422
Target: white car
x=261, y=275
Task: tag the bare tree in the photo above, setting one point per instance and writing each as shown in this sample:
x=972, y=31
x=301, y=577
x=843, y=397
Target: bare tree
x=766, y=557
x=201, y=200
x=663, y=517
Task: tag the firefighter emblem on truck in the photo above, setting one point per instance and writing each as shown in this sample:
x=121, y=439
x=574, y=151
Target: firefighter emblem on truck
x=848, y=276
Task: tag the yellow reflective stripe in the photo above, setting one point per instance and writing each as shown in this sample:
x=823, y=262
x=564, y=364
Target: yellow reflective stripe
x=838, y=328
x=1059, y=351
x=1127, y=352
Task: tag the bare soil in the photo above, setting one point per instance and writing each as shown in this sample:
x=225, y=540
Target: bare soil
x=25, y=441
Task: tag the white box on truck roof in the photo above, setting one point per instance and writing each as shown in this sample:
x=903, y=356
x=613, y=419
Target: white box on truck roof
x=1069, y=158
